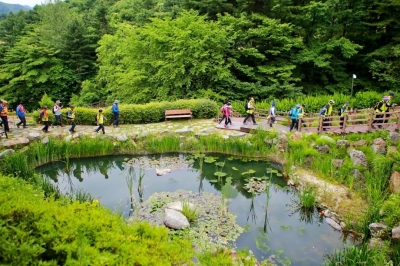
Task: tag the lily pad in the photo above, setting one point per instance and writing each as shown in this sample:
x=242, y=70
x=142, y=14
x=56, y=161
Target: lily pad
x=230, y=158
x=213, y=180
x=274, y=171
x=302, y=231
x=285, y=227
x=234, y=168
x=278, y=174
x=220, y=164
x=209, y=160
x=247, y=228
x=220, y=174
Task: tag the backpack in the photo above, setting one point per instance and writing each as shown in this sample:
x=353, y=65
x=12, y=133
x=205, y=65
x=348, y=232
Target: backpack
x=340, y=111
x=322, y=111
x=290, y=112
x=246, y=106
x=54, y=107
x=376, y=105
x=222, y=109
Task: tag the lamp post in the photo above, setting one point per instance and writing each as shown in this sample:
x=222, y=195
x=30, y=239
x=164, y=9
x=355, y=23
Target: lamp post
x=352, y=84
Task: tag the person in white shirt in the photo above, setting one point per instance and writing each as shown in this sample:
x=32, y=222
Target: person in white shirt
x=272, y=114
x=57, y=113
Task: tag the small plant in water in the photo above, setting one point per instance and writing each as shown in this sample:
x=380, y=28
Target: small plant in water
x=307, y=197
x=190, y=213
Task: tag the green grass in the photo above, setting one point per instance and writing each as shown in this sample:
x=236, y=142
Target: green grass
x=307, y=197
x=357, y=255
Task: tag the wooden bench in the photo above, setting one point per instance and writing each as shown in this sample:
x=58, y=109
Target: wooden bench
x=178, y=114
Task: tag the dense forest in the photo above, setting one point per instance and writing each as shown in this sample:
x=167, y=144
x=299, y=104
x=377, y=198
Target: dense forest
x=85, y=51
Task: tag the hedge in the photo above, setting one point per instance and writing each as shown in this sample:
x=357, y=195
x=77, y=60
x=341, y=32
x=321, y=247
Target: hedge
x=141, y=114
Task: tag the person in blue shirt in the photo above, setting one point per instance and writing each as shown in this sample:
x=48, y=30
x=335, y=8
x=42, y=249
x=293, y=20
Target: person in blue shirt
x=272, y=114
x=294, y=116
x=115, y=112
x=21, y=115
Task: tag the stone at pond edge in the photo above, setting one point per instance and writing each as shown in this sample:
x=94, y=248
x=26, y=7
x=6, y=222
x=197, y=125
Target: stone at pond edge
x=334, y=224
x=396, y=234
x=15, y=142
x=160, y=172
x=45, y=140
x=379, y=146
x=6, y=152
x=378, y=230
x=395, y=182
x=358, y=158
x=394, y=137
x=178, y=206
x=175, y=220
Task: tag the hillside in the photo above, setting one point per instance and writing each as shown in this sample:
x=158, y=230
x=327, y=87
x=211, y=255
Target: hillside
x=6, y=8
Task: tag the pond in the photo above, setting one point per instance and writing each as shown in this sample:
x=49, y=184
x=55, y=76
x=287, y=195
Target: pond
x=273, y=226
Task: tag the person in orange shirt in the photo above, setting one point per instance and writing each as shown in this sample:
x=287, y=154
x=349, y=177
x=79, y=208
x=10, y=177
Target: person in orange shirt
x=4, y=115
x=44, y=117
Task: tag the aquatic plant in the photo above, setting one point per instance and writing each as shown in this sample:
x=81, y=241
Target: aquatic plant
x=356, y=255
x=307, y=197
x=190, y=212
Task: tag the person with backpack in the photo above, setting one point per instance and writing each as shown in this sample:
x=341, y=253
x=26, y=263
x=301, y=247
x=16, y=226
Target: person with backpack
x=250, y=109
x=322, y=114
x=301, y=115
x=390, y=104
x=100, y=121
x=71, y=116
x=4, y=115
x=380, y=110
x=44, y=117
x=115, y=112
x=343, y=111
x=272, y=114
x=21, y=115
x=57, y=113
x=294, y=116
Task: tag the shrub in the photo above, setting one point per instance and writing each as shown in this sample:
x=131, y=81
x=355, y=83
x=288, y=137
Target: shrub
x=38, y=231
x=46, y=101
x=390, y=210
x=142, y=114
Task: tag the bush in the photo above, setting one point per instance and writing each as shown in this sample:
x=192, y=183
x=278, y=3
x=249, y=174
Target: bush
x=390, y=210
x=142, y=114
x=38, y=231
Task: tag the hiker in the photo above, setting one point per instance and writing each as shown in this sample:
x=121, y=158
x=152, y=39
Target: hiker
x=380, y=111
x=227, y=114
x=343, y=111
x=322, y=114
x=71, y=116
x=223, y=111
x=294, y=116
x=301, y=115
x=21, y=115
x=57, y=113
x=4, y=115
x=100, y=121
x=115, y=112
x=250, y=108
x=272, y=114
x=44, y=117
x=389, y=104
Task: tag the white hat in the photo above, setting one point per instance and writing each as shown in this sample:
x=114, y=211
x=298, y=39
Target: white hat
x=116, y=101
x=331, y=101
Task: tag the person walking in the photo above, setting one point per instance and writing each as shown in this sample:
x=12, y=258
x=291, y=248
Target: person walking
x=250, y=109
x=115, y=112
x=344, y=111
x=44, y=117
x=21, y=115
x=390, y=104
x=71, y=116
x=227, y=114
x=380, y=111
x=100, y=121
x=301, y=115
x=294, y=116
x=223, y=111
x=272, y=114
x=4, y=115
x=322, y=114
x=57, y=113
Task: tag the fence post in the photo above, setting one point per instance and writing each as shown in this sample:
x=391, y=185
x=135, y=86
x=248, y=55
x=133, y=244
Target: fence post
x=371, y=119
x=344, y=124
x=398, y=121
x=320, y=124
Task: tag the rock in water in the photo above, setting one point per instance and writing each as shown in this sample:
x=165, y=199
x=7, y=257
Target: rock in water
x=161, y=172
x=334, y=224
x=175, y=220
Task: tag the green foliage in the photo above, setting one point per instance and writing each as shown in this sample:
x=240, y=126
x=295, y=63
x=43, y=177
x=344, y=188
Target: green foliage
x=38, y=231
x=189, y=211
x=46, y=101
x=357, y=255
x=307, y=197
x=390, y=210
x=142, y=114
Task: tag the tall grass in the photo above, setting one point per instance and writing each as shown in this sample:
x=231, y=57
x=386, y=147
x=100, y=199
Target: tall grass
x=307, y=197
x=357, y=255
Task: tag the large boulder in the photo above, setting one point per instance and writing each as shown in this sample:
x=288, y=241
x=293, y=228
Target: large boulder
x=379, y=146
x=15, y=142
x=358, y=158
x=396, y=234
x=394, y=137
x=395, y=182
x=174, y=219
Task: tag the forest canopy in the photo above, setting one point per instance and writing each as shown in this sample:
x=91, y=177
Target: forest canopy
x=85, y=51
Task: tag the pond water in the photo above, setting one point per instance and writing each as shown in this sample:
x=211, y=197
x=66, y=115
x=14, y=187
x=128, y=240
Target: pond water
x=272, y=225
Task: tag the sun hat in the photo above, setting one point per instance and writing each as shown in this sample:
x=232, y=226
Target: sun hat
x=58, y=101
x=385, y=98
x=116, y=101
x=298, y=105
x=331, y=101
